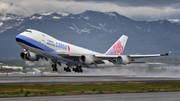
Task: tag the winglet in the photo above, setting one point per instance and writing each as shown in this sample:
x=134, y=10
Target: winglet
x=167, y=54
x=118, y=47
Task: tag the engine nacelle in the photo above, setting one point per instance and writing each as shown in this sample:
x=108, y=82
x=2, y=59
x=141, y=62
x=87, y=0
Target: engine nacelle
x=86, y=59
x=30, y=57
x=22, y=55
x=122, y=60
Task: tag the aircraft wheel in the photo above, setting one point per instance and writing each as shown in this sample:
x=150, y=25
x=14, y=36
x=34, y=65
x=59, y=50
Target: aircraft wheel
x=56, y=69
x=81, y=70
x=76, y=70
x=55, y=65
x=69, y=70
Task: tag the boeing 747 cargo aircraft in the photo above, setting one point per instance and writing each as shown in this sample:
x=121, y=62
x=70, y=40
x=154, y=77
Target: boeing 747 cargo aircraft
x=40, y=45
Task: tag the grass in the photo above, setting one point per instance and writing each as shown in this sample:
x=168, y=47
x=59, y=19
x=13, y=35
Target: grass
x=19, y=90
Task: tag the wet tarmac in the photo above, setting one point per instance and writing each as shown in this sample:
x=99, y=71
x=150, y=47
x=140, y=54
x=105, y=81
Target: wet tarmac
x=61, y=78
x=162, y=96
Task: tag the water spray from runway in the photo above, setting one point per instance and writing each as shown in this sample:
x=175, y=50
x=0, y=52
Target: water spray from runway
x=139, y=70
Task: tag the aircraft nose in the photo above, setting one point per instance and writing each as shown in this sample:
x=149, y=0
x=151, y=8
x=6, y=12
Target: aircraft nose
x=18, y=38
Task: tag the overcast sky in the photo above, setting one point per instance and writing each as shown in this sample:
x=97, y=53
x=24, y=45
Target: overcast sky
x=135, y=9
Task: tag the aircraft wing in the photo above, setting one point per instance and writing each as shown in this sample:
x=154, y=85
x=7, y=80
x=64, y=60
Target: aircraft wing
x=107, y=57
x=98, y=59
x=147, y=56
x=126, y=59
x=75, y=56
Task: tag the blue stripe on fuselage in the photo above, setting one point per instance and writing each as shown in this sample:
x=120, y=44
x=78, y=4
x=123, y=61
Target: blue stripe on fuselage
x=33, y=43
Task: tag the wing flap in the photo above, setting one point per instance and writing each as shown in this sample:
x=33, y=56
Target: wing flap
x=110, y=58
x=69, y=55
x=106, y=57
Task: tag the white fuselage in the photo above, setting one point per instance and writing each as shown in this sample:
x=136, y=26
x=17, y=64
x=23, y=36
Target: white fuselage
x=49, y=47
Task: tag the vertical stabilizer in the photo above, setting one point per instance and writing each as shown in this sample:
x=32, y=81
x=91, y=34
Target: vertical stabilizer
x=118, y=47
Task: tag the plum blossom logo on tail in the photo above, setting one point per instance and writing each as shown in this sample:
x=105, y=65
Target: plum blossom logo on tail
x=118, y=48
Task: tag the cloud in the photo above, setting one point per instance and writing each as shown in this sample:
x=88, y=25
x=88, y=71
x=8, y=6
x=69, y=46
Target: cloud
x=10, y=8
x=139, y=9
x=4, y=7
x=141, y=13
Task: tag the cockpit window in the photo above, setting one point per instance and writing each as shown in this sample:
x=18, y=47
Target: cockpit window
x=28, y=31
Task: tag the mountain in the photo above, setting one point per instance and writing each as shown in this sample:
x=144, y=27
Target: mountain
x=94, y=30
x=6, y=17
x=174, y=20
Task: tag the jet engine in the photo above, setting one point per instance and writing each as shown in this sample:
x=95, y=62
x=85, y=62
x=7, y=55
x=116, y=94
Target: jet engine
x=29, y=56
x=122, y=60
x=86, y=59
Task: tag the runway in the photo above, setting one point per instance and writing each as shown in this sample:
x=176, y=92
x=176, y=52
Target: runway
x=78, y=78
x=62, y=78
x=162, y=96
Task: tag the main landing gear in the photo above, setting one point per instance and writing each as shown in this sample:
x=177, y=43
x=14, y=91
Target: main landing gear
x=69, y=67
x=78, y=69
x=54, y=67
